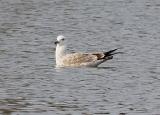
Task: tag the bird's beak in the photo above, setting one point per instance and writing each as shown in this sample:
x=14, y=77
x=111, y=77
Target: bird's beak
x=56, y=42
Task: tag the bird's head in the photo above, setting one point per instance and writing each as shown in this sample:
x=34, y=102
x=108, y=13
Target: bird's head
x=60, y=40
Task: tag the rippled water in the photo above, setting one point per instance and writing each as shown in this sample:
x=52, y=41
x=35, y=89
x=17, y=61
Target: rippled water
x=31, y=85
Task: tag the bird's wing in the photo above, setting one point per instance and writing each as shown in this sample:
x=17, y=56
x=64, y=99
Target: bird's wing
x=78, y=58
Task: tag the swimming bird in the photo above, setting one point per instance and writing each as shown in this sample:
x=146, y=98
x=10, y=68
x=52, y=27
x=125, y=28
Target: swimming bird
x=79, y=59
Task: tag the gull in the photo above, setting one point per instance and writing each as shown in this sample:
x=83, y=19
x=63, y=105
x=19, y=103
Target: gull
x=79, y=59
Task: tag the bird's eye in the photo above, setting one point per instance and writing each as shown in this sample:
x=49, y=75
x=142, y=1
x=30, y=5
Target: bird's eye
x=62, y=39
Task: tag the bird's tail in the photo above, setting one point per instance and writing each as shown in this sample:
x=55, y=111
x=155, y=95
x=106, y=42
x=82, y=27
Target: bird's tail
x=111, y=53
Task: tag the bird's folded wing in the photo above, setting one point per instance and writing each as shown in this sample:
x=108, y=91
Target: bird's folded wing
x=77, y=58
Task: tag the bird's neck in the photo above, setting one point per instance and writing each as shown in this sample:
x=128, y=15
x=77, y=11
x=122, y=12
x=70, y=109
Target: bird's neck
x=60, y=52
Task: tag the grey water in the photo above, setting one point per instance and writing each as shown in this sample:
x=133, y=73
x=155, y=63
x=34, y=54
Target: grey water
x=30, y=84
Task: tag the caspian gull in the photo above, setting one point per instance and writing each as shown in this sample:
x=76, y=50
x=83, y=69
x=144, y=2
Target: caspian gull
x=79, y=59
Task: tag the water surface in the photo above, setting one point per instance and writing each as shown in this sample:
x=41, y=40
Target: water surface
x=31, y=85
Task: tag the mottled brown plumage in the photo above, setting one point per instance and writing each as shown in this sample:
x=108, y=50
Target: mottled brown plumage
x=79, y=59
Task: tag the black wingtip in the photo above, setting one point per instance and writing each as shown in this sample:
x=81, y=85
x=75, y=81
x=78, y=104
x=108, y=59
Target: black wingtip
x=111, y=52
